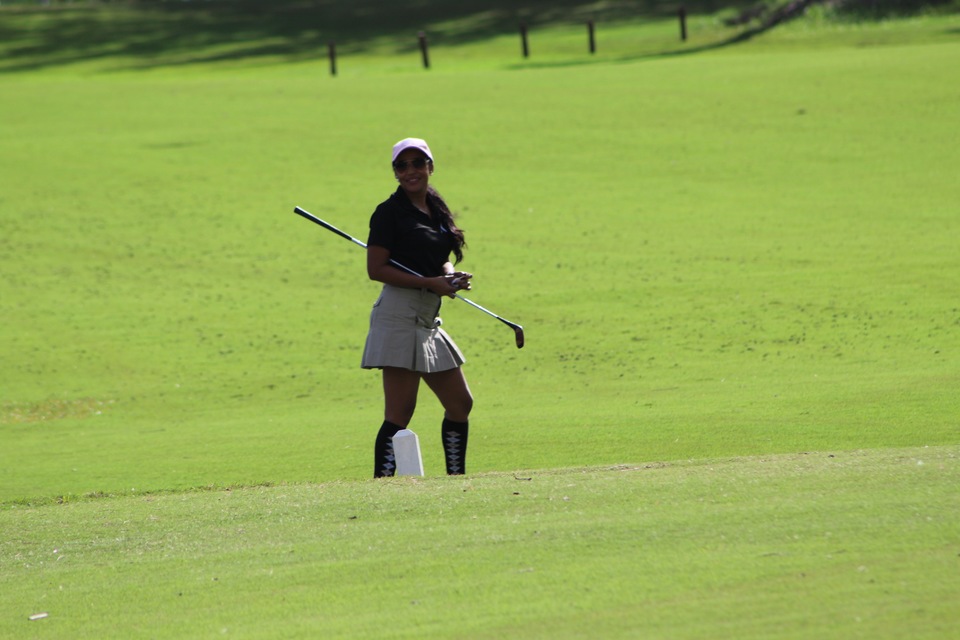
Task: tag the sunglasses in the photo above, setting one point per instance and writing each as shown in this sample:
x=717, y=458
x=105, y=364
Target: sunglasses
x=416, y=163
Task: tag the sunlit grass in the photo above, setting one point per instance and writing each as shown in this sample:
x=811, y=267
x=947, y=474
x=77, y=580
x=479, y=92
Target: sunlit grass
x=735, y=415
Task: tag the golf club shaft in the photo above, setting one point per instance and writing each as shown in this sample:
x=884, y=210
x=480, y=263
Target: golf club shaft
x=343, y=234
x=309, y=216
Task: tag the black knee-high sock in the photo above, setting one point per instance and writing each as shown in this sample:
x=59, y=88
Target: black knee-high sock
x=384, y=463
x=455, y=446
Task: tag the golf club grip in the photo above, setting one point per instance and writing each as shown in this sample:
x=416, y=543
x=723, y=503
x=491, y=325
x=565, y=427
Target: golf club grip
x=326, y=225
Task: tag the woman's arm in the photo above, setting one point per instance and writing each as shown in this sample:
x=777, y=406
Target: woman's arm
x=380, y=270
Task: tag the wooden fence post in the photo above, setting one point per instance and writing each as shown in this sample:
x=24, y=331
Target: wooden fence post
x=592, y=37
x=683, y=23
x=523, y=40
x=333, y=58
x=424, y=49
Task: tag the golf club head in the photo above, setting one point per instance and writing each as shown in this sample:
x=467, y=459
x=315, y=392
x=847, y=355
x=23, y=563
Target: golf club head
x=517, y=329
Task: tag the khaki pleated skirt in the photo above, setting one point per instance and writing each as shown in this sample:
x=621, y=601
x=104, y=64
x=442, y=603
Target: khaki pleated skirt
x=405, y=332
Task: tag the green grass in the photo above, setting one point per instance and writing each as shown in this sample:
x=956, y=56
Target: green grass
x=726, y=257
x=859, y=544
x=755, y=257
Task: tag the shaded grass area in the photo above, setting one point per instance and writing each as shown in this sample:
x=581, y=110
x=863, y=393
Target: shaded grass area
x=148, y=35
x=828, y=545
x=884, y=9
x=165, y=33
x=158, y=34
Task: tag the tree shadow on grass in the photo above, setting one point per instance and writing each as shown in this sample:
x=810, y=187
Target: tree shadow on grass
x=148, y=35
x=772, y=19
x=165, y=33
x=785, y=12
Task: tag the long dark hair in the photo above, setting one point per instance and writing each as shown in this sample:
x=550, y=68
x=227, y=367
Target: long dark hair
x=438, y=204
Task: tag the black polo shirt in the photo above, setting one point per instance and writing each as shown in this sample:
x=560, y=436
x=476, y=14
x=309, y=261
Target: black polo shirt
x=413, y=239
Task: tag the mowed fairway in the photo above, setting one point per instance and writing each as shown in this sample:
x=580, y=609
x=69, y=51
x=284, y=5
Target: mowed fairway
x=735, y=416
x=843, y=545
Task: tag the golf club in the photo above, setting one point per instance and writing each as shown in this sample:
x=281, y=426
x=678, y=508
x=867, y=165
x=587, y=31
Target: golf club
x=517, y=329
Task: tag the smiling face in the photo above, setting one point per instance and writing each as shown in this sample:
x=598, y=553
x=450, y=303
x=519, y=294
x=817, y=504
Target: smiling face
x=413, y=169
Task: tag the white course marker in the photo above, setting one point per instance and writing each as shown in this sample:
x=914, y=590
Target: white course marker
x=406, y=449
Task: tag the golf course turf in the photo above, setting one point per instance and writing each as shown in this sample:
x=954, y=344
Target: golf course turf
x=735, y=262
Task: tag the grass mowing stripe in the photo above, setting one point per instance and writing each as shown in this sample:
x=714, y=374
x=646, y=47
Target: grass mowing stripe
x=816, y=544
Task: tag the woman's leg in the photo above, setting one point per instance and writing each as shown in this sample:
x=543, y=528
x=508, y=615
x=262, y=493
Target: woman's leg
x=400, y=388
x=454, y=394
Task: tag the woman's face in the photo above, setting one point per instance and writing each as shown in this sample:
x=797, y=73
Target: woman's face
x=413, y=170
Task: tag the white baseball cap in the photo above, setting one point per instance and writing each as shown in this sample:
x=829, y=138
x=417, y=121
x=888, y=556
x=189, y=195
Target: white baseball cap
x=411, y=143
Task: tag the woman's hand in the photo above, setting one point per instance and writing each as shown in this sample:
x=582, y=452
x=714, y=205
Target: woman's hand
x=461, y=280
x=450, y=283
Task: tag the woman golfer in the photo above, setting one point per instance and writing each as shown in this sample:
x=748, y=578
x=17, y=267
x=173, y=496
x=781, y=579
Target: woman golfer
x=415, y=228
